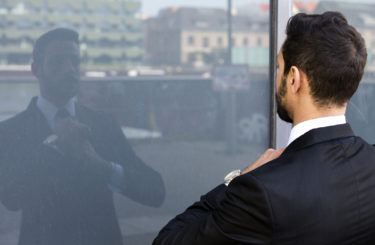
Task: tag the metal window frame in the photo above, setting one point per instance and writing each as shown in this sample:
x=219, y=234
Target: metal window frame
x=280, y=12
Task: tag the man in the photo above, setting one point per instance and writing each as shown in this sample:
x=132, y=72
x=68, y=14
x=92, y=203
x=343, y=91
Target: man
x=60, y=162
x=321, y=189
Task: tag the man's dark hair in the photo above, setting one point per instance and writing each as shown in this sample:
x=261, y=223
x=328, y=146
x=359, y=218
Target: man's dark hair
x=331, y=53
x=58, y=34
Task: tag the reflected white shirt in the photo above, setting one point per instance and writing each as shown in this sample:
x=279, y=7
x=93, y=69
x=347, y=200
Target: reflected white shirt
x=49, y=110
x=308, y=125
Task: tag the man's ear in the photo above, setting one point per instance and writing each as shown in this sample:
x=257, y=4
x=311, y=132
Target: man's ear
x=295, y=79
x=36, y=69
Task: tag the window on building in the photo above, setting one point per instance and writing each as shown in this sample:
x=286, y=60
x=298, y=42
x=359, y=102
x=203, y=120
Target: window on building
x=103, y=10
x=191, y=40
x=24, y=24
x=64, y=8
x=219, y=41
x=65, y=23
x=103, y=26
x=245, y=41
x=205, y=42
x=233, y=41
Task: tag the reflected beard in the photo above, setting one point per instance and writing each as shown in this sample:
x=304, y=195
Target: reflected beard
x=63, y=92
x=281, y=109
x=69, y=85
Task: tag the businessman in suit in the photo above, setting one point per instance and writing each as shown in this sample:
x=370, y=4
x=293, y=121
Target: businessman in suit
x=60, y=162
x=321, y=189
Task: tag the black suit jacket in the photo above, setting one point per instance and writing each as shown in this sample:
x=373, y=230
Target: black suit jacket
x=321, y=190
x=62, y=200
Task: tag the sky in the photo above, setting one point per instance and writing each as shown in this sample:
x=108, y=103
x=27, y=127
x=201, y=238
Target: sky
x=151, y=7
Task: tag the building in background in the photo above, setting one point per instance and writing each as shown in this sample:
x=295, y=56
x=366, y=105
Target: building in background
x=110, y=31
x=197, y=38
x=188, y=37
x=115, y=37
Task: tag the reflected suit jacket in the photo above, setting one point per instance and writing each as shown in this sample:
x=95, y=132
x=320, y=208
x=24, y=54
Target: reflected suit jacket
x=320, y=191
x=63, y=201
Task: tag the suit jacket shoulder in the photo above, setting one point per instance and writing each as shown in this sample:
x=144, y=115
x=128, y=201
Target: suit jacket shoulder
x=313, y=187
x=321, y=190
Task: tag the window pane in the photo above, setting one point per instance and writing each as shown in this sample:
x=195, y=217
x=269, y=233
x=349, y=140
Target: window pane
x=158, y=72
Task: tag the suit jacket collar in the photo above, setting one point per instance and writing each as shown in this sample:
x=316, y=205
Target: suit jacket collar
x=306, y=126
x=40, y=123
x=36, y=122
x=84, y=114
x=321, y=135
x=49, y=110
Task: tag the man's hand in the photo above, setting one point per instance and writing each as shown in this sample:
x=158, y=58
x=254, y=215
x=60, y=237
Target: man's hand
x=268, y=155
x=74, y=140
x=73, y=136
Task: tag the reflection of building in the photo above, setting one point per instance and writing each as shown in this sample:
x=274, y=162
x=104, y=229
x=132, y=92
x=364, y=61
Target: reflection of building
x=361, y=16
x=110, y=31
x=198, y=37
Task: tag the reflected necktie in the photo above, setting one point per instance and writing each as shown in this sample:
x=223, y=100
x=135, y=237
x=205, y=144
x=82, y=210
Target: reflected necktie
x=61, y=114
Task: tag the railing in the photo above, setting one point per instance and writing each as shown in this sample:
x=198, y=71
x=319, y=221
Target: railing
x=174, y=106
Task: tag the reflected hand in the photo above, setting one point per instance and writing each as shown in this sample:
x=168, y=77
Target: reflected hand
x=267, y=156
x=72, y=136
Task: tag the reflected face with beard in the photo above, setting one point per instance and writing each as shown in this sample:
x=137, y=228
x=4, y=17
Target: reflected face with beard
x=59, y=71
x=281, y=88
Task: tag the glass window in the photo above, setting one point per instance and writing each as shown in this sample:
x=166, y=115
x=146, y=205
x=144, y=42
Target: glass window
x=24, y=24
x=233, y=41
x=219, y=41
x=159, y=73
x=205, y=42
x=102, y=9
x=245, y=41
x=191, y=40
x=63, y=8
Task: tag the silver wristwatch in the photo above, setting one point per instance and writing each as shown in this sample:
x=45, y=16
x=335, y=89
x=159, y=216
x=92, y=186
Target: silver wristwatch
x=229, y=177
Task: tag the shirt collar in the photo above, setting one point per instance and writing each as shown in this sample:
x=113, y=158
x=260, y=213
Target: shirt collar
x=49, y=110
x=308, y=125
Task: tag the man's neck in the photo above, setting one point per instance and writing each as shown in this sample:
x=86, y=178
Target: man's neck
x=55, y=100
x=315, y=113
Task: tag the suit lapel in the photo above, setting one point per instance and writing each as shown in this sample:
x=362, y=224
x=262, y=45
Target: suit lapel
x=83, y=115
x=34, y=134
x=37, y=126
x=321, y=135
x=86, y=116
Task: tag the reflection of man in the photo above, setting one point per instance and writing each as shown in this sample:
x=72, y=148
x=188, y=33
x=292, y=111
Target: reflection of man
x=321, y=189
x=60, y=162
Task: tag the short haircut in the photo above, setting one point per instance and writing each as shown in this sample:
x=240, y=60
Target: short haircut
x=331, y=53
x=58, y=34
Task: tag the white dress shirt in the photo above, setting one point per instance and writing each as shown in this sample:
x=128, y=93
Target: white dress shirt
x=308, y=125
x=49, y=110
